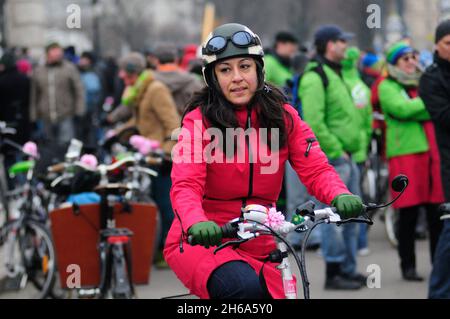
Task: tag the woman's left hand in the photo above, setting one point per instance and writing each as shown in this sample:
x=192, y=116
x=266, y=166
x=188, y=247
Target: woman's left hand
x=348, y=205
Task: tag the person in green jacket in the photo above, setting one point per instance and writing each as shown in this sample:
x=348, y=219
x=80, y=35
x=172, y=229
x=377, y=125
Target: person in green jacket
x=329, y=109
x=361, y=98
x=278, y=63
x=279, y=71
x=411, y=150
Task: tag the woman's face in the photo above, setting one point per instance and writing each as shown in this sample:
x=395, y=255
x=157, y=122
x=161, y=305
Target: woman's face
x=238, y=79
x=128, y=78
x=407, y=63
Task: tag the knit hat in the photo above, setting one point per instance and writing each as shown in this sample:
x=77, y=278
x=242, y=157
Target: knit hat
x=396, y=51
x=442, y=30
x=370, y=59
x=133, y=62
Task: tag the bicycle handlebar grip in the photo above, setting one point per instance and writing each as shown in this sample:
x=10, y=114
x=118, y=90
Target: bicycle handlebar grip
x=151, y=160
x=57, y=168
x=228, y=231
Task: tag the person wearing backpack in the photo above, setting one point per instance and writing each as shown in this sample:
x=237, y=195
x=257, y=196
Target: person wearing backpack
x=279, y=71
x=329, y=109
x=278, y=63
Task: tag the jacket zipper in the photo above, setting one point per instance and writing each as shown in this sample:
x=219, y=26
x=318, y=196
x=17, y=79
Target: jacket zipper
x=183, y=235
x=250, y=185
x=310, y=143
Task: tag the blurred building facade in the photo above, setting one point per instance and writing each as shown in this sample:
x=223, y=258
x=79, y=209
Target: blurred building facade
x=115, y=26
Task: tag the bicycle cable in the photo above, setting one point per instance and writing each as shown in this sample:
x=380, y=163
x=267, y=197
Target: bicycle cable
x=288, y=245
x=303, y=265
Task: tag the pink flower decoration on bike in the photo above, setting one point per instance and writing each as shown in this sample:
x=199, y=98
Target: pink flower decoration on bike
x=89, y=160
x=31, y=149
x=274, y=219
x=143, y=145
x=110, y=133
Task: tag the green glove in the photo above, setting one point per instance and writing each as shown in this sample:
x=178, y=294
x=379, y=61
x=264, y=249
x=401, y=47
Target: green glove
x=206, y=234
x=348, y=206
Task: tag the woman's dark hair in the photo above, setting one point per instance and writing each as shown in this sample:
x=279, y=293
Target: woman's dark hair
x=220, y=112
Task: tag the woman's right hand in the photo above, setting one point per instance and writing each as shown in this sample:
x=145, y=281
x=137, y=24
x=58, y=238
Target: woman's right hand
x=206, y=234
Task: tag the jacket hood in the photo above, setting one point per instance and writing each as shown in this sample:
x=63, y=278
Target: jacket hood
x=175, y=80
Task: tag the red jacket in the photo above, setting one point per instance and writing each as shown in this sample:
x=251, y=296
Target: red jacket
x=216, y=191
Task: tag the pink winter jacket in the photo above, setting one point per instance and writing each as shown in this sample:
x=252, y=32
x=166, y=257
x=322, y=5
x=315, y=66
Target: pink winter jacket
x=203, y=188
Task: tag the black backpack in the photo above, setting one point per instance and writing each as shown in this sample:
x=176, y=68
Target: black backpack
x=292, y=85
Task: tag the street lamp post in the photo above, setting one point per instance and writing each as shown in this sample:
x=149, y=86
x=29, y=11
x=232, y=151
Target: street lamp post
x=96, y=12
x=2, y=24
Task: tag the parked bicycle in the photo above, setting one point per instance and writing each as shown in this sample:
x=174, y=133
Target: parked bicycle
x=375, y=180
x=27, y=249
x=5, y=132
x=114, y=248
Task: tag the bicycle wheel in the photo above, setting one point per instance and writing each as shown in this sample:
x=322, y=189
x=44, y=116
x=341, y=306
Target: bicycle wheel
x=28, y=255
x=391, y=225
x=3, y=192
x=368, y=185
x=121, y=283
x=57, y=292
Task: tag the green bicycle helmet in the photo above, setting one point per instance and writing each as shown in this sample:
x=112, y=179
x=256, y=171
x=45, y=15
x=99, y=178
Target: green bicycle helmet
x=226, y=41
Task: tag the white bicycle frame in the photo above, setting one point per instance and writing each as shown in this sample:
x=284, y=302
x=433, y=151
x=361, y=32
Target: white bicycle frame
x=252, y=228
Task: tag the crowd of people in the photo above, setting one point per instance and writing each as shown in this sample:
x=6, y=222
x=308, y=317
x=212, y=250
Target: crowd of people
x=337, y=93
x=322, y=100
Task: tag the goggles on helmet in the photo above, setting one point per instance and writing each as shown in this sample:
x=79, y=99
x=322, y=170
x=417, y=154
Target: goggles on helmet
x=241, y=39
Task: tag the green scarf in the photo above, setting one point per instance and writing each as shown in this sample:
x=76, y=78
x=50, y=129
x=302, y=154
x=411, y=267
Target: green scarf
x=130, y=93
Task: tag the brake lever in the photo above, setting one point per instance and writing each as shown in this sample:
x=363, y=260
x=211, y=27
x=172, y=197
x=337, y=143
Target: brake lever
x=230, y=243
x=301, y=229
x=366, y=220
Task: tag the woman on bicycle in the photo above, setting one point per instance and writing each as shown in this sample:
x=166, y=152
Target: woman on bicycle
x=214, y=177
x=412, y=150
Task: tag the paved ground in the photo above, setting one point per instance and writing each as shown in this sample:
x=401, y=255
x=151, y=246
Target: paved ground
x=164, y=282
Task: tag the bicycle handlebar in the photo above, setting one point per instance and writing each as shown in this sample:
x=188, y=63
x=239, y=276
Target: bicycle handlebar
x=60, y=167
x=229, y=230
x=57, y=168
x=444, y=208
x=237, y=227
x=151, y=160
x=107, y=168
x=102, y=169
x=4, y=129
